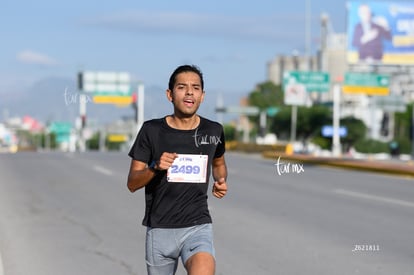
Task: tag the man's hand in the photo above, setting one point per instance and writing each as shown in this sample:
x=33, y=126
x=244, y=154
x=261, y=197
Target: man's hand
x=166, y=160
x=220, y=188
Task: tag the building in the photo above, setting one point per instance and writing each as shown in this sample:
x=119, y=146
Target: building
x=332, y=58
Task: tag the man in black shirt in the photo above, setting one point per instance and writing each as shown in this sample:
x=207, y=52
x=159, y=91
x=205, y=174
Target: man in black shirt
x=173, y=157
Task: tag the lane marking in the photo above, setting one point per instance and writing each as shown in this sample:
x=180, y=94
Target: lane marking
x=374, y=197
x=1, y=266
x=102, y=170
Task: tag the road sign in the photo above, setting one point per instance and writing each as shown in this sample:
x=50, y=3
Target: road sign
x=107, y=87
x=117, y=138
x=327, y=131
x=295, y=94
x=366, y=83
x=272, y=111
x=247, y=110
x=391, y=103
x=62, y=131
x=312, y=81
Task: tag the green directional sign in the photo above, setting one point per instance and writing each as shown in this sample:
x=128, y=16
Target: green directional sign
x=367, y=79
x=272, y=111
x=366, y=83
x=62, y=131
x=313, y=81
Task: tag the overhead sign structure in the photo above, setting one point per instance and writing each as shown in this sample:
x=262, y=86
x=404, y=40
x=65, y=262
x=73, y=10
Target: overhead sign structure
x=297, y=84
x=391, y=103
x=107, y=87
x=380, y=33
x=366, y=83
x=313, y=81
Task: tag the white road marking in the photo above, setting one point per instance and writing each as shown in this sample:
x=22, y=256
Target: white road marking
x=1, y=266
x=103, y=170
x=374, y=197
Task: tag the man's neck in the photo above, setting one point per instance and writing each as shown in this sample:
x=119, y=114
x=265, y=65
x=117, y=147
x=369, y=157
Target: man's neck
x=183, y=123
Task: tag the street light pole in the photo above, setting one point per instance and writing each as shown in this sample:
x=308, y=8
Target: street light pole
x=336, y=142
x=140, y=105
x=412, y=131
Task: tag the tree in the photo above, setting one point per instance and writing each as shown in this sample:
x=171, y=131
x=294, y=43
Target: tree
x=309, y=122
x=403, y=131
x=265, y=95
x=229, y=132
x=356, y=130
x=403, y=123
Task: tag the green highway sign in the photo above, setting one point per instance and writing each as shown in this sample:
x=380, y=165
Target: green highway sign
x=107, y=87
x=313, y=81
x=391, y=103
x=247, y=110
x=62, y=131
x=366, y=83
x=367, y=80
x=272, y=111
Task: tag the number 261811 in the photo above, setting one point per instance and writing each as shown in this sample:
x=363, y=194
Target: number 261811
x=366, y=247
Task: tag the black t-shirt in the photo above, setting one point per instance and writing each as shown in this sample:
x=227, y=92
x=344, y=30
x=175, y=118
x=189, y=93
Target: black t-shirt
x=177, y=204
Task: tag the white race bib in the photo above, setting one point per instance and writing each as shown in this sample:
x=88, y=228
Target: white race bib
x=188, y=168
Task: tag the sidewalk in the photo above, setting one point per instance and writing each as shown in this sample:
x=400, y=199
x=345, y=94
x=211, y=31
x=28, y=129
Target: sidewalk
x=403, y=168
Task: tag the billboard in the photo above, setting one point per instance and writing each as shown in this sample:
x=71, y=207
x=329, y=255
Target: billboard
x=380, y=33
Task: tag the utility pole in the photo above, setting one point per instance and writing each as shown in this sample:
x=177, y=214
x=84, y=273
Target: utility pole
x=140, y=106
x=412, y=131
x=336, y=142
x=82, y=115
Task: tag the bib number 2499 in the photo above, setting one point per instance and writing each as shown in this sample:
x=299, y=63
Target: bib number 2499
x=188, y=168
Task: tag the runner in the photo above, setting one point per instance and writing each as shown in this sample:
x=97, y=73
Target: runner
x=173, y=157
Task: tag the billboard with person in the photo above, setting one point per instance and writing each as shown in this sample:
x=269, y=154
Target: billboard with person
x=380, y=33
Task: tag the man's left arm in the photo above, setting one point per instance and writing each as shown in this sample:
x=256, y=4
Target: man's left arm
x=220, y=177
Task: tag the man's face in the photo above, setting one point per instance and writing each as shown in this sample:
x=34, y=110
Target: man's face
x=364, y=13
x=187, y=93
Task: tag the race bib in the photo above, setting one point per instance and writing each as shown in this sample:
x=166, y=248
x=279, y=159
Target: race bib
x=188, y=168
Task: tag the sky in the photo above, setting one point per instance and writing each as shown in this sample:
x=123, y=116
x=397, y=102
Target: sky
x=230, y=40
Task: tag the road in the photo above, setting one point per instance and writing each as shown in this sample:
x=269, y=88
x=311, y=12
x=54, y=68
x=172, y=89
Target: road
x=72, y=214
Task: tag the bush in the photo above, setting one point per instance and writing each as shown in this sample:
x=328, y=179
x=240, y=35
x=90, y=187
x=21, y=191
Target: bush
x=322, y=142
x=405, y=145
x=371, y=146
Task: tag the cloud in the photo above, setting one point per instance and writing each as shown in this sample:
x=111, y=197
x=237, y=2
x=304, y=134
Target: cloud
x=32, y=57
x=271, y=28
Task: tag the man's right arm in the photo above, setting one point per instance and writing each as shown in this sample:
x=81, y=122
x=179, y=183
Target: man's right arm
x=139, y=175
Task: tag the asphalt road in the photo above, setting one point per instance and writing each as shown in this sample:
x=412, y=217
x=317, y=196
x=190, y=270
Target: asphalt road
x=72, y=214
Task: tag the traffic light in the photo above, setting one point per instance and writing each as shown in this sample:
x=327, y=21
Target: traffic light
x=134, y=105
x=83, y=120
x=80, y=81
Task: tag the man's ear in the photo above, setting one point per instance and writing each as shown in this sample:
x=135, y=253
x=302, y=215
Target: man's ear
x=169, y=95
